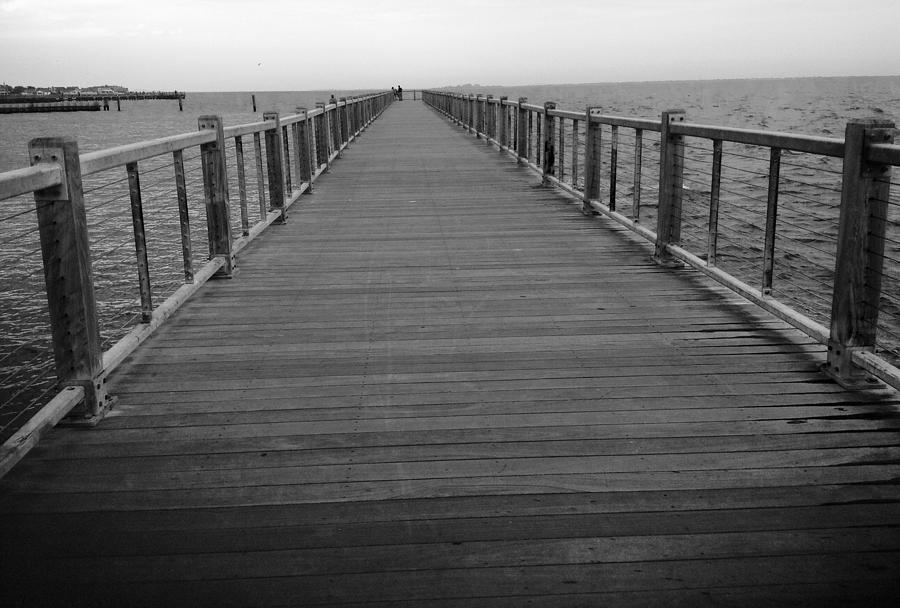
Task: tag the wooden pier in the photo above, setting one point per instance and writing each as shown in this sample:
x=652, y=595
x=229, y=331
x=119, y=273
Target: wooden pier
x=440, y=384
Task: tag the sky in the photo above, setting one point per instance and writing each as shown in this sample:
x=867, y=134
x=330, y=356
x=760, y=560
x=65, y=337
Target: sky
x=259, y=45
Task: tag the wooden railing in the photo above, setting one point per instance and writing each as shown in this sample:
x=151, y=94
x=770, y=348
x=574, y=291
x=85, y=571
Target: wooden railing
x=860, y=260
x=291, y=152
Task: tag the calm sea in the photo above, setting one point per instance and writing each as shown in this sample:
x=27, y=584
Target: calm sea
x=812, y=106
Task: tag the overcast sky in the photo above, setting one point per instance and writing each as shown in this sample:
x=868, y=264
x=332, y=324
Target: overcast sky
x=244, y=45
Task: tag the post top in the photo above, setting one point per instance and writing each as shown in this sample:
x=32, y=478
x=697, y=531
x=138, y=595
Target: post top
x=209, y=121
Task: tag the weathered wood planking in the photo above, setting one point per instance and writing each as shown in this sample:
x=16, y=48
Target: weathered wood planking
x=441, y=385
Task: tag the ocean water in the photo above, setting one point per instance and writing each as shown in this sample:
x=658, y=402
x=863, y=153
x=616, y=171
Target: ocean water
x=808, y=206
x=811, y=106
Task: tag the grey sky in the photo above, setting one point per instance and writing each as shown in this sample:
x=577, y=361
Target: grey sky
x=227, y=45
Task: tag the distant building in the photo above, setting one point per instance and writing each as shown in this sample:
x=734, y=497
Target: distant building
x=106, y=89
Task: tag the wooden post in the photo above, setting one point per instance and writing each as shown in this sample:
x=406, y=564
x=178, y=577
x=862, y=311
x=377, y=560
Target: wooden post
x=521, y=131
x=549, y=158
x=242, y=184
x=561, y=150
x=334, y=130
x=304, y=158
x=321, y=123
x=184, y=216
x=478, y=118
x=286, y=160
x=771, y=217
x=140, y=242
x=529, y=133
x=260, y=175
x=860, y=252
x=714, y=196
x=638, y=171
x=69, y=279
x=613, y=166
x=253, y=100
x=575, y=152
x=345, y=122
x=671, y=183
x=215, y=191
x=591, y=163
x=275, y=165
x=489, y=114
x=503, y=134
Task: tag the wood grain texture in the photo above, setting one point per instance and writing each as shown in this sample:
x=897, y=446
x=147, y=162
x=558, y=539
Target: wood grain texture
x=440, y=384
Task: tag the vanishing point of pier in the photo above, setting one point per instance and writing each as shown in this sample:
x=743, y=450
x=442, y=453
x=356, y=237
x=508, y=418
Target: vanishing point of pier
x=441, y=384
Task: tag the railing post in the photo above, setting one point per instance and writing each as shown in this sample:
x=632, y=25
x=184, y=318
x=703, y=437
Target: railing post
x=549, y=157
x=771, y=220
x=561, y=150
x=242, y=184
x=591, y=163
x=613, y=166
x=345, y=122
x=489, y=115
x=503, y=134
x=140, y=241
x=321, y=123
x=275, y=165
x=337, y=144
x=184, y=216
x=260, y=176
x=304, y=158
x=286, y=160
x=860, y=252
x=521, y=131
x=68, y=276
x=638, y=171
x=215, y=194
x=477, y=118
x=671, y=182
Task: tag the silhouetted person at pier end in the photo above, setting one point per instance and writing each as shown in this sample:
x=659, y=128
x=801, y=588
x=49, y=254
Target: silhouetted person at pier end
x=399, y=93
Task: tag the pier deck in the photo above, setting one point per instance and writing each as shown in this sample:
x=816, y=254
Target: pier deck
x=439, y=384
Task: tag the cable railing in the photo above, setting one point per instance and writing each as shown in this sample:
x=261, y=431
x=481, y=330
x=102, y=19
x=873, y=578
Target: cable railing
x=800, y=225
x=126, y=235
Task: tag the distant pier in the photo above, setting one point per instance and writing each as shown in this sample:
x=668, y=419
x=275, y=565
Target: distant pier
x=63, y=106
x=27, y=104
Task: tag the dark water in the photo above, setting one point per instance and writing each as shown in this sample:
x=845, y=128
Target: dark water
x=813, y=106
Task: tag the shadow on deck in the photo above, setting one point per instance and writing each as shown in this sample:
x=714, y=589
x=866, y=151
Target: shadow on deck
x=439, y=384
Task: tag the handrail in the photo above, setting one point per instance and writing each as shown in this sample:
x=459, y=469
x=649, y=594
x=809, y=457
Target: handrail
x=824, y=146
x=24, y=181
x=291, y=153
x=111, y=158
x=572, y=159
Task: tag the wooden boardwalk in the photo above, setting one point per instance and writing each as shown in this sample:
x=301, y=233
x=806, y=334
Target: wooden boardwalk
x=439, y=384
